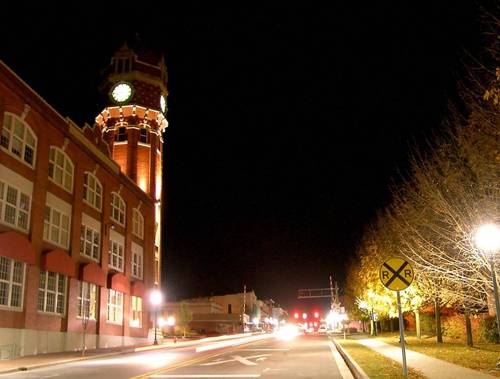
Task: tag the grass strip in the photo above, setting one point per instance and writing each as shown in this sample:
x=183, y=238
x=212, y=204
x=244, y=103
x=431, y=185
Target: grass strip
x=482, y=357
x=375, y=365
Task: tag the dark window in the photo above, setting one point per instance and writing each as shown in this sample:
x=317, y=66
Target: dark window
x=121, y=135
x=144, y=136
x=229, y=310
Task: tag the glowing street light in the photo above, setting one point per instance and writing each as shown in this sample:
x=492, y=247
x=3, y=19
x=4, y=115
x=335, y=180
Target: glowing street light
x=156, y=298
x=487, y=239
x=171, y=321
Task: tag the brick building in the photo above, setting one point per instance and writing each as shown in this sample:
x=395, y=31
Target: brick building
x=80, y=212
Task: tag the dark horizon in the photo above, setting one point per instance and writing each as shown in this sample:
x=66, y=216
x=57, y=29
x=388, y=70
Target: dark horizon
x=287, y=125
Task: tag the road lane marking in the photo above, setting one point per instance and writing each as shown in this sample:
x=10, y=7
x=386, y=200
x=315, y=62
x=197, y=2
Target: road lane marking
x=342, y=366
x=207, y=376
x=264, y=350
x=237, y=358
x=189, y=362
x=244, y=360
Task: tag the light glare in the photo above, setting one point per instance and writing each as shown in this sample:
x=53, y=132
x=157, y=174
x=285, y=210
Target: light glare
x=487, y=238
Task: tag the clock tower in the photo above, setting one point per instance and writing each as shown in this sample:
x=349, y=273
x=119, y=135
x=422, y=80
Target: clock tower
x=133, y=122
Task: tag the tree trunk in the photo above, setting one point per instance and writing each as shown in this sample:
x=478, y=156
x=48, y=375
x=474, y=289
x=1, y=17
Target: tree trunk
x=437, y=311
x=468, y=328
x=417, y=323
x=391, y=325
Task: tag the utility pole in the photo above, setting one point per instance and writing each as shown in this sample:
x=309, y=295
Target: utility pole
x=244, y=305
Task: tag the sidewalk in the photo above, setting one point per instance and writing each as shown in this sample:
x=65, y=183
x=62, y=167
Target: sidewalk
x=42, y=360
x=430, y=367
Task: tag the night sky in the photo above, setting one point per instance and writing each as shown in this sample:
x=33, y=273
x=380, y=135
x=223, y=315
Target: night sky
x=287, y=124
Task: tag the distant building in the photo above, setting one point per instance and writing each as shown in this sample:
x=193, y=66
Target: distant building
x=80, y=212
x=223, y=314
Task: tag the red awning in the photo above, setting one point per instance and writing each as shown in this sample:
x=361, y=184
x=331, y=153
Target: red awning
x=16, y=246
x=93, y=273
x=119, y=282
x=58, y=261
x=137, y=288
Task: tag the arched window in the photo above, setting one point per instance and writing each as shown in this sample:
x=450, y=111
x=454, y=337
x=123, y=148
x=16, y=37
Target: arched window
x=117, y=208
x=61, y=168
x=137, y=223
x=92, y=190
x=18, y=139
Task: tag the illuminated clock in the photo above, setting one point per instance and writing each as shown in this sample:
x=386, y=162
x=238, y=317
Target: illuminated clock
x=121, y=92
x=163, y=103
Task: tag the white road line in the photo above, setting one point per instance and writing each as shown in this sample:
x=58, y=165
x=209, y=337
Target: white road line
x=344, y=370
x=263, y=349
x=237, y=358
x=208, y=376
x=243, y=360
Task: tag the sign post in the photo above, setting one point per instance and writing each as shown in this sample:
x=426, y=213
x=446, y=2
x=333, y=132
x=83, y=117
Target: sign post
x=396, y=274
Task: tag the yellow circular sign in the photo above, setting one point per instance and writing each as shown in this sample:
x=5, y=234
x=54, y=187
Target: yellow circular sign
x=396, y=274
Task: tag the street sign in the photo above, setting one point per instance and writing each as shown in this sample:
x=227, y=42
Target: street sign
x=396, y=274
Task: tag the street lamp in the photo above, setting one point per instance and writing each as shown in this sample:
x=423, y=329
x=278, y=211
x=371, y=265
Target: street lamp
x=155, y=298
x=487, y=239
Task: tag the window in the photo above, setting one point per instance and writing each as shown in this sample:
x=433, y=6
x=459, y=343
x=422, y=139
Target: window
x=61, y=168
x=11, y=283
x=14, y=207
x=157, y=266
x=56, y=227
x=144, y=136
x=92, y=191
x=136, y=311
x=117, y=208
x=137, y=259
x=87, y=300
x=18, y=139
x=115, y=307
x=121, y=135
x=90, y=242
x=51, y=293
x=137, y=223
x=115, y=255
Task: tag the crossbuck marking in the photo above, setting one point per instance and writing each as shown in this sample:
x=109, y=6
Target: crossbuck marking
x=396, y=274
x=238, y=358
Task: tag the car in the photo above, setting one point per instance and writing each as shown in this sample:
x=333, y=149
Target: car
x=322, y=330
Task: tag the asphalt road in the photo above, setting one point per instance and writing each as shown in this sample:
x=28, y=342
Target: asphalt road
x=302, y=357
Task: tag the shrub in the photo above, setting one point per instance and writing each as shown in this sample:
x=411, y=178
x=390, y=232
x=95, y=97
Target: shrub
x=488, y=331
x=454, y=327
x=427, y=323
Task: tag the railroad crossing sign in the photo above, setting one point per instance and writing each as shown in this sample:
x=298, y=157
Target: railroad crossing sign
x=396, y=274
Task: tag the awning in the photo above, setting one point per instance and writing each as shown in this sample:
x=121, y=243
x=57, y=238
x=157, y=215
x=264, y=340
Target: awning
x=91, y=272
x=119, y=282
x=58, y=261
x=137, y=288
x=16, y=246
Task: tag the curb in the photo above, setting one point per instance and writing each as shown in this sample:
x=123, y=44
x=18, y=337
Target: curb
x=355, y=369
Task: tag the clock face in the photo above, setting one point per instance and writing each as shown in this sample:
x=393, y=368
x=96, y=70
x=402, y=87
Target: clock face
x=121, y=92
x=163, y=103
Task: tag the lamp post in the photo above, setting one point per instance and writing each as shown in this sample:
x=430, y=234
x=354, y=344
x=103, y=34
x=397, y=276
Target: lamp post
x=487, y=239
x=155, y=297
